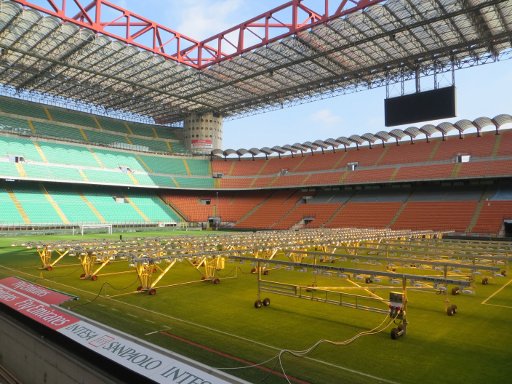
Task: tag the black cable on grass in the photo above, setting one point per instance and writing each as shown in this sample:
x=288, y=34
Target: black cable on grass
x=59, y=276
x=101, y=289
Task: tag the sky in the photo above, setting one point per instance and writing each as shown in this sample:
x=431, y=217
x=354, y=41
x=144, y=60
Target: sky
x=481, y=91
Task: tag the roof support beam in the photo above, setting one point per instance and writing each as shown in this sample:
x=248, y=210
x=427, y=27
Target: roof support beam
x=285, y=20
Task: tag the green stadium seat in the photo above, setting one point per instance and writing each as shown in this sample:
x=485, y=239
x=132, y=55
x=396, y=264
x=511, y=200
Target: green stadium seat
x=8, y=169
x=167, y=132
x=199, y=167
x=102, y=137
x=178, y=147
x=14, y=125
x=167, y=165
x=46, y=172
x=72, y=117
x=9, y=214
x=36, y=205
x=72, y=205
x=115, y=159
x=144, y=179
x=68, y=154
x=154, y=145
x=22, y=108
x=111, y=211
x=20, y=147
x=112, y=125
x=108, y=177
x=57, y=131
x=162, y=181
x=191, y=182
x=142, y=130
x=154, y=208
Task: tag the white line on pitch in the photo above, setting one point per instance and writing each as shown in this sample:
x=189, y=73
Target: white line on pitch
x=495, y=293
x=254, y=342
x=160, y=330
x=211, y=329
x=380, y=379
x=498, y=305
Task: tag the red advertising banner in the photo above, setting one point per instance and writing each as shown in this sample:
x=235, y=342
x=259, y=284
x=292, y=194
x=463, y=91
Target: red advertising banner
x=35, y=302
x=35, y=291
x=206, y=143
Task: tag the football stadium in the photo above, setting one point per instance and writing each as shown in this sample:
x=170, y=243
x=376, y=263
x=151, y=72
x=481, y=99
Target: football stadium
x=136, y=248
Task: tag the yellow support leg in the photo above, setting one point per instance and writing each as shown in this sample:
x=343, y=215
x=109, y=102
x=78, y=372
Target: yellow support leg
x=267, y=254
x=104, y=262
x=61, y=255
x=45, y=254
x=210, y=265
x=88, y=260
x=145, y=272
x=163, y=272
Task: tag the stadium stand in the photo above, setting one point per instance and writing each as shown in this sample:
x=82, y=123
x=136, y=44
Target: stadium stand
x=50, y=144
x=244, y=167
x=48, y=129
x=495, y=208
x=18, y=116
x=112, y=125
x=319, y=162
x=419, y=152
x=425, y=172
x=437, y=215
x=236, y=183
x=30, y=203
x=365, y=215
x=116, y=159
x=22, y=108
x=268, y=213
x=167, y=165
x=455, y=208
x=71, y=117
x=471, y=144
x=325, y=178
x=194, y=182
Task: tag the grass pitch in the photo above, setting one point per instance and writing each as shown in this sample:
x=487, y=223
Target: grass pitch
x=218, y=325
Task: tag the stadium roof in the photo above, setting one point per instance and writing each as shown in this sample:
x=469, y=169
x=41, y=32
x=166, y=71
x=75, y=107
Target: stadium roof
x=372, y=46
x=411, y=133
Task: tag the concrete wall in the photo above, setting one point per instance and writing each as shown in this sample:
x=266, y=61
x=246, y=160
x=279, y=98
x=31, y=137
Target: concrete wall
x=33, y=359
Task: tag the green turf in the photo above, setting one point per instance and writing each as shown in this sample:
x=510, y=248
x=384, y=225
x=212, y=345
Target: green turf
x=474, y=346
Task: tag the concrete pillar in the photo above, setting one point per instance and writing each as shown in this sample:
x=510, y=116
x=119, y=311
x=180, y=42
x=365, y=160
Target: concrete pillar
x=203, y=132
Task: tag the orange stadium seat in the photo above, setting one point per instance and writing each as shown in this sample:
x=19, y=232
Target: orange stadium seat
x=246, y=167
x=425, y=172
x=436, y=215
x=276, y=165
x=268, y=214
x=320, y=161
x=471, y=144
x=406, y=152
x=491, y=217
x=365, y=215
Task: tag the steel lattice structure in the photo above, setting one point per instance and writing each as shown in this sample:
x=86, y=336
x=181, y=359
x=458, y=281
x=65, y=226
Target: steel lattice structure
x=287, y=55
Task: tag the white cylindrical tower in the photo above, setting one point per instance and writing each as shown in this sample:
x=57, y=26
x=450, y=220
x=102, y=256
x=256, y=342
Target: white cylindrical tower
x=203, y=132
